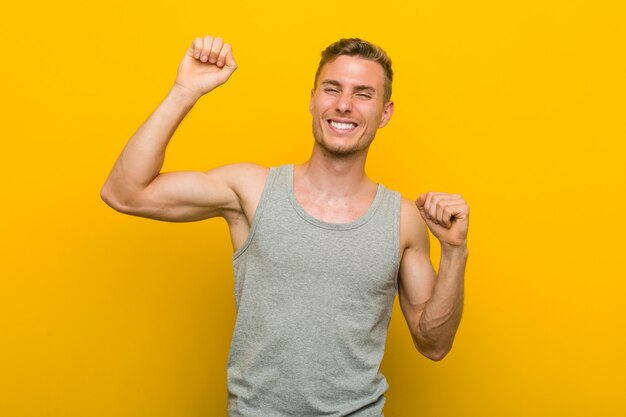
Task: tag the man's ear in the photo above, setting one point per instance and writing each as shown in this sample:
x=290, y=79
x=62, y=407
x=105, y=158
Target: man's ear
x=387, y=112
x=311, y=101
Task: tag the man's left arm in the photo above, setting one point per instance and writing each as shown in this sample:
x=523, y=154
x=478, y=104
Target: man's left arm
x=433, y=305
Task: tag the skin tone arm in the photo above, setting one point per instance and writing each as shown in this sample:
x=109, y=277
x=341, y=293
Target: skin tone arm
x=135, y=185
x=432, y=305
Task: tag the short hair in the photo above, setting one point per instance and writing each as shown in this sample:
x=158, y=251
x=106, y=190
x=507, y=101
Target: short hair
x=362, y=49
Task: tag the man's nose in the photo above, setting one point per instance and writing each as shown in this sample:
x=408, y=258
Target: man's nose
x=344, y=103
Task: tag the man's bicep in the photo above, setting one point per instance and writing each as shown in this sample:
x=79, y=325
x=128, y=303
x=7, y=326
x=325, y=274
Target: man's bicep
x=416, y=279
x=184, y=196
x=416, y=276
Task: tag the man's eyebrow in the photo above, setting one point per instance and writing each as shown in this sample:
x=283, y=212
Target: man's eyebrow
x=356, y=88
x=365, y=87
x=332, y=82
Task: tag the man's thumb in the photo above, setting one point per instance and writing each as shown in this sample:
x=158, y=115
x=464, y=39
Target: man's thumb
x=420, y=201
x=230, y=60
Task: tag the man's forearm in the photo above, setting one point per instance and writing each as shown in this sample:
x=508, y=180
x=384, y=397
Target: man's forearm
x=142, y=158
x=441, y=316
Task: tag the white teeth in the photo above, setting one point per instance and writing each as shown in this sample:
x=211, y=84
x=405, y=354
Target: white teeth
x=342, y=126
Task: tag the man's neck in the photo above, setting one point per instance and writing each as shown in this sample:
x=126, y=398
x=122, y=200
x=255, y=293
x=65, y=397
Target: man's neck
x=334, y=177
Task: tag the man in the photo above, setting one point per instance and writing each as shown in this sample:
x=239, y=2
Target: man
x=319, y=248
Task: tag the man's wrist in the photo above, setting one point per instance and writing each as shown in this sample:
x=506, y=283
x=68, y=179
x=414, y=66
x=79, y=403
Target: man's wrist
x=183, y=95
x=454, y=249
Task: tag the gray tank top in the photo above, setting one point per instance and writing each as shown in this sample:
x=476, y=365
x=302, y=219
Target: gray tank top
x=314, y=301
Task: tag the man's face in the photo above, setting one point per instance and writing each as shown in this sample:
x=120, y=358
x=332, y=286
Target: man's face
x=348, y=106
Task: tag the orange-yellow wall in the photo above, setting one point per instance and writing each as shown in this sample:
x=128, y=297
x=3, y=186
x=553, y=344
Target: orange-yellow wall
x=516, y=105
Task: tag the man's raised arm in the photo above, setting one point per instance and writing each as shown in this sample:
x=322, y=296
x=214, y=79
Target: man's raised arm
x=433, y=304
x=135, y=185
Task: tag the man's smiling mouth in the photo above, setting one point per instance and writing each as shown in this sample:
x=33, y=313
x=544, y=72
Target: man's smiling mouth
x=342, y=126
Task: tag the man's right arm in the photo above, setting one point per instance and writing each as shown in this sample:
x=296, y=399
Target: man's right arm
x=136, y=186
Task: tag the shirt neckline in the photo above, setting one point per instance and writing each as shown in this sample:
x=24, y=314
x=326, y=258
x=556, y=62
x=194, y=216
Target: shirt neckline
x=327, y=225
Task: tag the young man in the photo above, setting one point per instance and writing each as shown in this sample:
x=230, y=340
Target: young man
x=319, y=248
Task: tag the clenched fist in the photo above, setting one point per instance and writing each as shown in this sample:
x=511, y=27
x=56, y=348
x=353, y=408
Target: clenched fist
x=207, y=64
x=446, y=215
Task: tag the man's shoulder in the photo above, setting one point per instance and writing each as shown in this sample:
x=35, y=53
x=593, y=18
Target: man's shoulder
x=409, y=214
x=246, y=178
x=253, y=170
x=413, y=229
x=248, y=168
x=240, y=174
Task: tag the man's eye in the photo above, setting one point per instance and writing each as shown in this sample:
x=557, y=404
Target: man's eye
x=362, y=95
x=331, y=90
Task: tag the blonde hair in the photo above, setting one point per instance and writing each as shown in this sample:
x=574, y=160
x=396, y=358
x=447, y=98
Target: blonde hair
x=362, y=49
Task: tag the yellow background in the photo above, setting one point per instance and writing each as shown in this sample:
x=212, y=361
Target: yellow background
x=516, y=105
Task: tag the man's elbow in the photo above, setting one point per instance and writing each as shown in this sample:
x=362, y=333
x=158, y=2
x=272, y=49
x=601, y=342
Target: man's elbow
x=434, y=353
x=108, y=196
x=436, y=356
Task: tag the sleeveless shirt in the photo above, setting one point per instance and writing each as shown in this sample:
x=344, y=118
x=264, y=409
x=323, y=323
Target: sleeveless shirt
x=314, y=301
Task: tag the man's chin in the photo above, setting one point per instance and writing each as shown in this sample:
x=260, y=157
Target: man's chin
x=340, y=151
